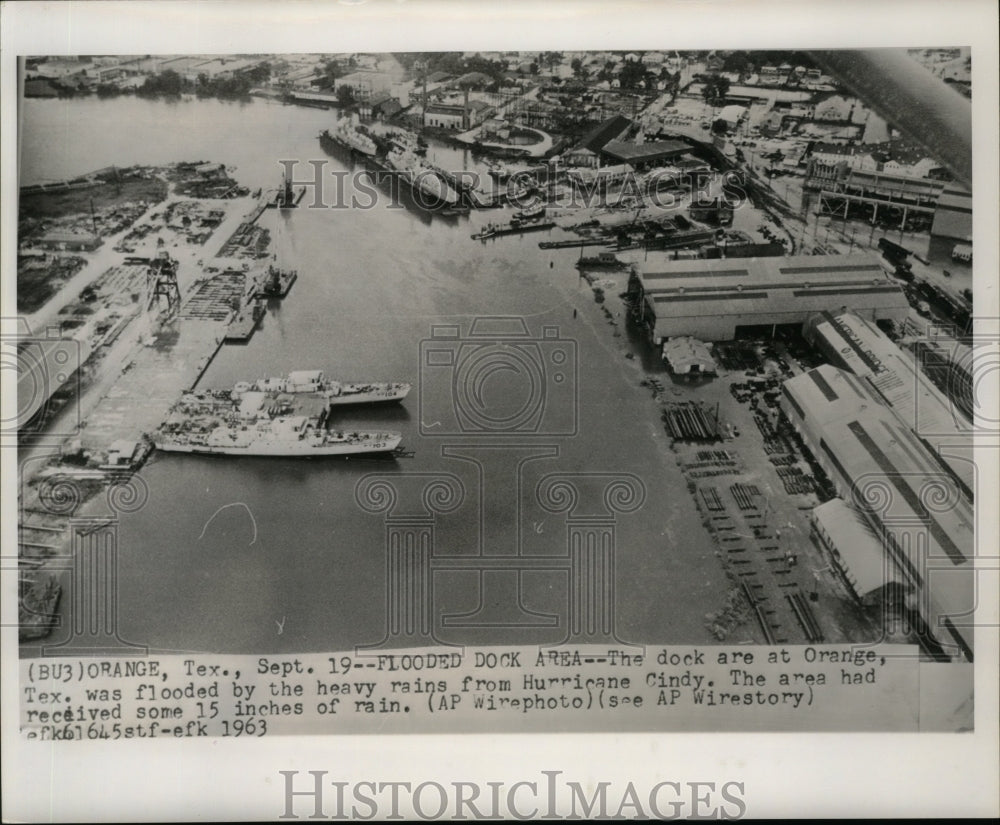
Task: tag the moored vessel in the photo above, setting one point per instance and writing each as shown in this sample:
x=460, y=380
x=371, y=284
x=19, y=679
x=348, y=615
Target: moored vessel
x=262, y=423
x=334, y=392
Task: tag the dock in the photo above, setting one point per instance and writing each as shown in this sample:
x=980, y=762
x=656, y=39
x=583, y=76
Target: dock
x=152, y=381
x=575, y=243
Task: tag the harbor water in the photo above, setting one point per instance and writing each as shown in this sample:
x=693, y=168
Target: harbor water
x=274, y=555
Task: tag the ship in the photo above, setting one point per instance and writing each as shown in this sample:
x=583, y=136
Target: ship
x=291, y=437
x=262, y=424
x=351, y=135
x=496, y=230
x=527, y=215
x=334, y=392
x=428, y=187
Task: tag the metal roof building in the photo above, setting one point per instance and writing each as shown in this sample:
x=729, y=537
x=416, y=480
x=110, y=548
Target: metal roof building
x=916, y=508
x=893, y=376
x=711, y=299
x=641, y=155
x=854, y=548
x=688, y=355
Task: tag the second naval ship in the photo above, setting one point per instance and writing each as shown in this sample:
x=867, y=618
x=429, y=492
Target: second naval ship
x=335, y=392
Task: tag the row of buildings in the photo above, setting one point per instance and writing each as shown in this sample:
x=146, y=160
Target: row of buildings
x=901, y=532
x=898, y=450
x=111, y=69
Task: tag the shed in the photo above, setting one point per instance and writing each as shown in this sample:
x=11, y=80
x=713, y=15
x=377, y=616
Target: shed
x=686, y=355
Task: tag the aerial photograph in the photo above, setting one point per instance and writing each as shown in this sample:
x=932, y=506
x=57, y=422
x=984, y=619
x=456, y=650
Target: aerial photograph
x=324, y=352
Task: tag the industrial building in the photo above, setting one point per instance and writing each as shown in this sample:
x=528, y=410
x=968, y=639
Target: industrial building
x=896, y=380
x=855, y=552
x=70, y=241
x=641, y=156
x=715, y=299
x=923, y=520
x=364, y=85
x=952, y=226
x=458, y=115
x=588, y=151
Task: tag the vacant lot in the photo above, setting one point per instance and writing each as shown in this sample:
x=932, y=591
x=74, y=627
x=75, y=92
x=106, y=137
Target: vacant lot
x=78, y=201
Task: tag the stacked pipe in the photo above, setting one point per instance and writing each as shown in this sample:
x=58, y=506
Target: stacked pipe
x=689, y=422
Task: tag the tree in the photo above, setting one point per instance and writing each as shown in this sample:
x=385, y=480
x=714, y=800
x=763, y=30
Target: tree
x=167, y=82
x=550, y=59
x=715, y=89
x=345, y=95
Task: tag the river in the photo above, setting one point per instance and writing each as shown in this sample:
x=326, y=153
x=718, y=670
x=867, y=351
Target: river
x=272, y=556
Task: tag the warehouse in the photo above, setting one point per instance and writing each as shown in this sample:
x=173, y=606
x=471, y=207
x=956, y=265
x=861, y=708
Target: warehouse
x=893, y=376
x=716, y=300
x=587, y=152
x=641, y=156
x=883, y=470
x=70, y=241
x=855, y=552
x=952, y=226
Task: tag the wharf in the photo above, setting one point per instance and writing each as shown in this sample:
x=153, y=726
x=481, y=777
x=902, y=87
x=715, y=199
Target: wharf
x=150, y=383
x=248, y=237
x=575, y=243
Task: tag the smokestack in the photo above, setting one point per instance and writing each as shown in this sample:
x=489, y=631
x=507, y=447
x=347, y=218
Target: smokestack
x=424, y=108
x=465, y=111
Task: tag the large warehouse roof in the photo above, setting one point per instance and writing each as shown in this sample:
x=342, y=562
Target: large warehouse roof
x=861, y=551
x=884, y=470
x=893, y=376
x=605, y=131
x=627, y=152
x=799, y=271
x=710, y=298
x=953, y=216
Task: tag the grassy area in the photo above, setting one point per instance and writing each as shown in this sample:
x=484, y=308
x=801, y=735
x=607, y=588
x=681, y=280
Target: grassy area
x=37, y=282
x=78, y=201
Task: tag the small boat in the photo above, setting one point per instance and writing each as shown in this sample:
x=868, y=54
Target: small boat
x=530, y=214
x=487, y=232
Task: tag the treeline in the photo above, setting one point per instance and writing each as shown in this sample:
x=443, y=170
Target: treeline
x=170, y=83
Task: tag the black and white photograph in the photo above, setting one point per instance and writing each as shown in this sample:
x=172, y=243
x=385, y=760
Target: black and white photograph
x=404, y=375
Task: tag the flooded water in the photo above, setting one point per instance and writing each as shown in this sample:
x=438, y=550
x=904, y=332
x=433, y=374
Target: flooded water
x=297, y=564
